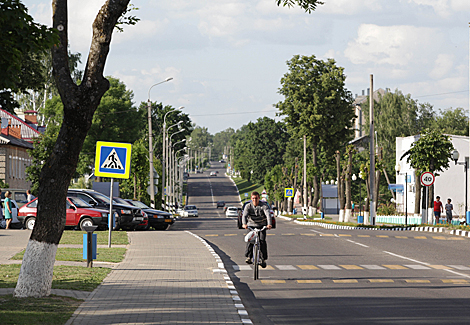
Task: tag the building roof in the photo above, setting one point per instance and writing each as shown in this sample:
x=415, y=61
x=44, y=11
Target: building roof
x=362, y=99
x=28, y=133
x=11, y=140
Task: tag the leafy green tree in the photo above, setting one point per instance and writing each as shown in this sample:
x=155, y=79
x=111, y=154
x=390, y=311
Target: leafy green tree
x=221, y=140
x=116, y=120
x=452, y=121
x=23, y=43
x=431, y=153
x=200, y=138
x=396, y=115
x=318, y=105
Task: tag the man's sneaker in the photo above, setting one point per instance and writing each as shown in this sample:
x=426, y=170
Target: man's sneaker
x=263, y=264
x=248, y=261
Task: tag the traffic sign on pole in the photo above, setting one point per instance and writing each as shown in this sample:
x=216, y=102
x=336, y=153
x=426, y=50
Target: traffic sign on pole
x=427, y=178
x=289, y=192
x=113, y=159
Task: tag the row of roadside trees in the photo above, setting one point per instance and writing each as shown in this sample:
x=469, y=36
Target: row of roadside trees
x=317, y=105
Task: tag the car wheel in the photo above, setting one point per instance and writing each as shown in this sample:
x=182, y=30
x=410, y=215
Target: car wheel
x=30, y=222
x=85, y=222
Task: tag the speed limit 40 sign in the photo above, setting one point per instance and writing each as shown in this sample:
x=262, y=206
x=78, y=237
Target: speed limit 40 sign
x=427, y=178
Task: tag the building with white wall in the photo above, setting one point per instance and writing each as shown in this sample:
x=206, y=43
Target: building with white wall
x=449, y=184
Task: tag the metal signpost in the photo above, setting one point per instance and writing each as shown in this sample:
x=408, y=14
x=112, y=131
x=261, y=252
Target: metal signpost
x=113, y=159
x=427, y=179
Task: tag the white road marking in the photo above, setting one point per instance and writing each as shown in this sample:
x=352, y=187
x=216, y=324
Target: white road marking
x=351, y=241
x=410, y=259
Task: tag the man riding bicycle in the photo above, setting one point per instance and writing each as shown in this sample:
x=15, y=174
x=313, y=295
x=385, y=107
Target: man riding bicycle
x=256, y=215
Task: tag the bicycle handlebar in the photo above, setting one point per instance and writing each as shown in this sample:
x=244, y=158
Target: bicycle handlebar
x=256, y=229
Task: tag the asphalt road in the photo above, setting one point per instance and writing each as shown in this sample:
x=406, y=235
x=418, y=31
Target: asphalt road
x=321, y=276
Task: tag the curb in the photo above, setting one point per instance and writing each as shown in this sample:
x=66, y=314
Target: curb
x=454, y=232
x=233, y=292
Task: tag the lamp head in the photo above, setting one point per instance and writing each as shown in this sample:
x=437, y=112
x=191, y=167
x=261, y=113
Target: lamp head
x=354, y=177
x=397, y=168
x=168, y=79
x=455, y=156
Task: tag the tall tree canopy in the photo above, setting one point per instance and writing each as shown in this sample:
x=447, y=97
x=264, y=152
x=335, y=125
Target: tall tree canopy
x=318, y=105
x=23, y=43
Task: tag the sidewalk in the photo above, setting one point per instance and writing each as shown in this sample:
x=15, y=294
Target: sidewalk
x=169, y=277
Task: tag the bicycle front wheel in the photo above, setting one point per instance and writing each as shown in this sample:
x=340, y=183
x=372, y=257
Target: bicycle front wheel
x=255, y=262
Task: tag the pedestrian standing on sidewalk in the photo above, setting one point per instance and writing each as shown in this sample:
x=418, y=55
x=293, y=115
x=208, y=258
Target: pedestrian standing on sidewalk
x=438, y=209
x=449, y=207
x=30, y=196
x=7, y=206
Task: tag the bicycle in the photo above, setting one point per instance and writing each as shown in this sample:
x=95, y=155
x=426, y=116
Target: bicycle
x=256, y=251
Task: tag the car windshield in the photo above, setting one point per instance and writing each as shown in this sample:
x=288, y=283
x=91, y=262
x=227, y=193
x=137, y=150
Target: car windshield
x=120, y=201
x=190, y=207
x=140, y=205
x=232, y=209
x=101, y=197
x=79, y=203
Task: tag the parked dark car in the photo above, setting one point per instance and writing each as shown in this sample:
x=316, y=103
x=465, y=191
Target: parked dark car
x=128, y=217
x=220, y=204
x=78, y=214
x=144, y=225
x=158, y=220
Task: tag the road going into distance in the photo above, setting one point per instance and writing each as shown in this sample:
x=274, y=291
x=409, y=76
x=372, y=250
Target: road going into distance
x=323, y=276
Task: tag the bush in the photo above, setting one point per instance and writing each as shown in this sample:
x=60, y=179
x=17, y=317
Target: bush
x=387, y=210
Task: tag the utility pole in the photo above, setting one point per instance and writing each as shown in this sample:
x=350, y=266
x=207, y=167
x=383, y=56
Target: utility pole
x=372, y=152
x=305, y=176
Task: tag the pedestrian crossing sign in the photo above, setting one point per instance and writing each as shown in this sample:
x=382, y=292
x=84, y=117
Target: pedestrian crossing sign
x=289, y=192
x=113, y=159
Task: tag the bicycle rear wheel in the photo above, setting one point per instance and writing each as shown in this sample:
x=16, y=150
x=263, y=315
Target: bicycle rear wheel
x=255, y=262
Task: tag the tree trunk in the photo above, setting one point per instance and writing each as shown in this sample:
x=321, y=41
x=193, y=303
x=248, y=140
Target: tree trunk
x=316, y=185
x=417, y=192
x=339, y=176
x=347, y=212
x=80, y=103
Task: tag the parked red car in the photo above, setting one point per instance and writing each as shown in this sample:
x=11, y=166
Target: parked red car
x=78, y=213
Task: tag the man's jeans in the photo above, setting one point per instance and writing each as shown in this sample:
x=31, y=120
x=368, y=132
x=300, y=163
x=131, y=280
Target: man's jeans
x=263, y=245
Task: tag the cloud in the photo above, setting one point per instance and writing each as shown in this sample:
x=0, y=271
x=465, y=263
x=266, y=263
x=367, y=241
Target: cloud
x=350, y=7
x=442, y=65
x=392, y=45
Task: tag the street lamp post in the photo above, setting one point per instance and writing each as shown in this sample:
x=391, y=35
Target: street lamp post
x=172, y=175
x=149, y=108
x=397, y=168
x=164, y=162
x=169, y=160
x=455, y=157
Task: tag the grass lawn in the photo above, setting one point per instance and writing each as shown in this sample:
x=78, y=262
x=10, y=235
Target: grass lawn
x=113, y=254
x=49, y=310
x=64, y=277
x=245, y=186
x=53, y=310
x=73, y=237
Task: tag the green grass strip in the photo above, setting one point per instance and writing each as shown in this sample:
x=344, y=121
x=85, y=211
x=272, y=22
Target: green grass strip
x=113, y=254
x=245, y=186
x=53, y=310
x=64, y=277
x=73, y=237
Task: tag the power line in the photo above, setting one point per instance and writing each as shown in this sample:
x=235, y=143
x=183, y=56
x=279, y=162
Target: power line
x=452, y=92
x=251, y=112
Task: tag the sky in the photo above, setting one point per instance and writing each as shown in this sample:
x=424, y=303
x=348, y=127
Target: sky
x=227, y=57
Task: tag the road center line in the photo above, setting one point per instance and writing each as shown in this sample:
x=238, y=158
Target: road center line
x=318, y=232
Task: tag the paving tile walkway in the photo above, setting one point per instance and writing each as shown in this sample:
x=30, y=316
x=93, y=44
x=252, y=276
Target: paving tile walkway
x=166, y=278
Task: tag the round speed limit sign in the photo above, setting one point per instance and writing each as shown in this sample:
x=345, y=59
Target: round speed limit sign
x=427, y=178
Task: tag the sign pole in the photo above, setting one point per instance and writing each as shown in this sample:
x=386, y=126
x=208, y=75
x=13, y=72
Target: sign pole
x=110, y=216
